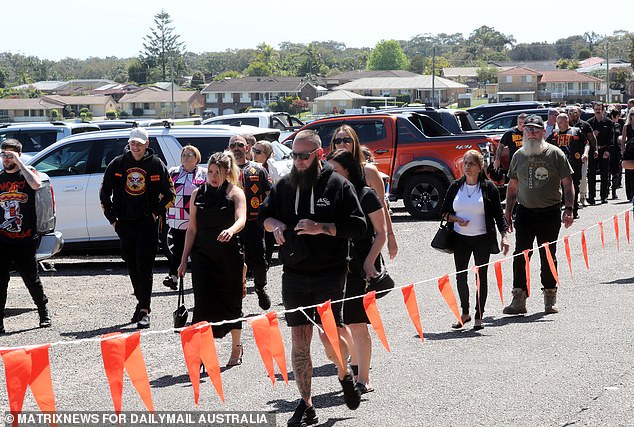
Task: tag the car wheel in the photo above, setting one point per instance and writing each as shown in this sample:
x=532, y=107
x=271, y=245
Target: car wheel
x=423, y=196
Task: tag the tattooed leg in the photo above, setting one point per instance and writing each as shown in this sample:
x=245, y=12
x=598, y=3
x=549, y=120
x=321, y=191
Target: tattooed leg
x=301, y=337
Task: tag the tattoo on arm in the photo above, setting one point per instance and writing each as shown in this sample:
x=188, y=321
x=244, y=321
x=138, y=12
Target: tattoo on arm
x=325, y=229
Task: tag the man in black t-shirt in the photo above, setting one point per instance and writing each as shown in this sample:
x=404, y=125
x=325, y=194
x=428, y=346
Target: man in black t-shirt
x=18, y=231
x=603, y=130
x=576, y=147
x=574, y=115
x=512, y=139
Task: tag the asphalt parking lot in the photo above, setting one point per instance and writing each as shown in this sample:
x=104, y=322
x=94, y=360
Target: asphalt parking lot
x=572, y=368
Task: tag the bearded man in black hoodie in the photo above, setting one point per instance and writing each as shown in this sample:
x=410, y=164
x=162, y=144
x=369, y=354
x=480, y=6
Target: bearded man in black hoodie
x=312, y=213
x=136, y=191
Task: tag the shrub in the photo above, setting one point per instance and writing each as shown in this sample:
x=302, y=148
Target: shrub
x=111, y=114
x=54, y=115
x=137, y=112
x=122, y=114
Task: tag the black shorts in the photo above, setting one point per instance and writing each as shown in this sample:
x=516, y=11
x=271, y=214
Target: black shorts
x=301, y=290
x=629, y=151
x=353, y=310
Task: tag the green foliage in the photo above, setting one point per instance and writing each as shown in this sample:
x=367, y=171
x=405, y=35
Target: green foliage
x=29, y=92
x=137, y=71
x=85, y=114
x=198, y=80
x=291, y=104
x=229, y=73
x=162, y=46
x=487, y=73
x=55, y=115
x=584, y=53
x=258, y=68
x=567, y=64
x=122, y=114
x=387, y=55
x=403, y=98
x=111, y=114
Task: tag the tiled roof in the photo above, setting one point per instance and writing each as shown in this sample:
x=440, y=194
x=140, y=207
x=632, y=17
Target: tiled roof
x=79, y=100
x=567, y=76
x=519, y=71
x=149, y=95
x=257, y=84
x=359, y=74
x=340, y=95
x=454, y=72
x=25, y=104
x=418, y=82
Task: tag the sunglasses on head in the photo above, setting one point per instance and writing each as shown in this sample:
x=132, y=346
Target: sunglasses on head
x=344, y=140
x=256, y=151
x=237, y=144
x=302, y=156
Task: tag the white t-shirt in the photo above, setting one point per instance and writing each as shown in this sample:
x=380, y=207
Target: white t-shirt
x=469, y=205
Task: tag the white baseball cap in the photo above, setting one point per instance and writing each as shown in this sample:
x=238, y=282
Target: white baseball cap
x=139, y=135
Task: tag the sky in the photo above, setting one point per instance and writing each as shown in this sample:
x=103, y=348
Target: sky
x=82, y=29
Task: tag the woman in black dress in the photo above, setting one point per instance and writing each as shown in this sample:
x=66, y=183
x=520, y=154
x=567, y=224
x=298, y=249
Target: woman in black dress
x=216, y=216
x=364, y=265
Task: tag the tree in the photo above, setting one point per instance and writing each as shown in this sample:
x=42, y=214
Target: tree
x=228, y=74
x=162, y=45
x=137, y=71
x=567, y=64
x=487, y=73
x=258, y=68
x=387, y=55
x=198, y=79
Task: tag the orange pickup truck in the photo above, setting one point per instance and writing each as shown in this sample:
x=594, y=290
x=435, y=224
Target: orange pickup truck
x=420, y=156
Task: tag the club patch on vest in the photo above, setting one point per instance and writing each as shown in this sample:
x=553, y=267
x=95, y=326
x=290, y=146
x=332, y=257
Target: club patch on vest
x=135, y=181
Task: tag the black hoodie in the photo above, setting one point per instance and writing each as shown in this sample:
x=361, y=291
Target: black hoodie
x=133, y=190
x=334, y=200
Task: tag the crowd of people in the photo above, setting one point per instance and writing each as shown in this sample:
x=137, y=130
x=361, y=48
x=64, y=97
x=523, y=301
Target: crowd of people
x=329, y=217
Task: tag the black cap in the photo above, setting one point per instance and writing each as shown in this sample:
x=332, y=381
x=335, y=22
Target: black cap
x=534, y=121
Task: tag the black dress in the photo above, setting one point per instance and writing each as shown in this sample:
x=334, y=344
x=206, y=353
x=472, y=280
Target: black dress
x=216, y=266
x=353, y=310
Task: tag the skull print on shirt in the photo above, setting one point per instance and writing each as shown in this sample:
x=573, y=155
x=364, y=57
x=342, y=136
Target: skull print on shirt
x=135, y=181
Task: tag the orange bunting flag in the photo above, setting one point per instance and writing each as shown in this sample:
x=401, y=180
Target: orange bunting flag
x=123, y=352
x=409, y=296
x=551, y=262
x=330, y=328
x=627, y=226
x=527, y=270
x=476, y=270
x=447, y=293
x=267, y=336
x=567, y=247
x=602, y=234
x=277, y=345
x=498, y=276
x=24, y=367
x=584, y=248
x=198, y=345
x=369, y=304
x=615, y=220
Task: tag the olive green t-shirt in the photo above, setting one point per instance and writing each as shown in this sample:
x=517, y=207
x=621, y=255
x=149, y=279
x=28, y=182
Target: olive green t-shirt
x=539, y=176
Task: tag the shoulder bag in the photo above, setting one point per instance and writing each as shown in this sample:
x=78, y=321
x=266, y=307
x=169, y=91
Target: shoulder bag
x=383, y=282
x=443, y=240
x=181, y=314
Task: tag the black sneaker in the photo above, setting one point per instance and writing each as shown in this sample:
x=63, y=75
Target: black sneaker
x=170, y=283
x=303, y=416
x=136, y=316
x=45, y=316
x=351, y=395
x=144, y=322
x=591, y=201
x=263, y=299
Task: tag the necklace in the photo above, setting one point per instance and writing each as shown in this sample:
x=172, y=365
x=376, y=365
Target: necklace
x=475, y=190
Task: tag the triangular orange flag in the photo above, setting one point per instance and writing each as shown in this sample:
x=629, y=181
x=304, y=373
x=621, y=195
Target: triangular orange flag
x=409, y=296
x=527, y=270
x=330, y=328
x=24, y=367
x=209, y=357
x=615, y=221
x=277, y=345
x=262, y=336
x=498, y=276
x=369, y=304
x=190, y=341
x=444, y=286
x=121, y=352
x=584, y=248
x=567, y=248
x=551, y=262
x=602, y=235
x=627, y=226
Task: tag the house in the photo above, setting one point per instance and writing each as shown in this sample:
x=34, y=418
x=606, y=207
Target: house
x=44, y=86
x=570, y=86
x=149, y=102
x=97, y=104
x=348, y=76
x=27, y=109
x=517, y=84
x=230, y=96
x=341, y=101
x=417, y=87
x=465, y=75
x=116, y=90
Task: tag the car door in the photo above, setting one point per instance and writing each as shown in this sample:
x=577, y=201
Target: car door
x=67, y=168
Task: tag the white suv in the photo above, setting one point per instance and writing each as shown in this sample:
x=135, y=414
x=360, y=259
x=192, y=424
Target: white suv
x=76, y=166
x=284, y=122
x=35, y=137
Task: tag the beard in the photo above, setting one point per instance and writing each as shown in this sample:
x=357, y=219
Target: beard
x=533, y=147
x=306, y=179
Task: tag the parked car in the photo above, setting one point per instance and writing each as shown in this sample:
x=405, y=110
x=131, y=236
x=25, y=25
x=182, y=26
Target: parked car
x=504, y=121
x=483, y=112
x=455, y=121
x=34, y=137
x=284, y=122
x=419, y=155
x=50, y=241
x=76, y=166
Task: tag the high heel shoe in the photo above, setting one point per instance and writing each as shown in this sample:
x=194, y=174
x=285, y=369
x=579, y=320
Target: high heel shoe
x=235, y=361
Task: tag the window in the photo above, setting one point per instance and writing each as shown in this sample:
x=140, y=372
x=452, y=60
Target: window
x=508, y=79
x=32, y=141
x=527, y=78
x=250, y=121
x=367, y=131
x=501, y=123
x=212, y=97
x=245, y=97
x=71, y=159
x=146, y=105
x=206, y=145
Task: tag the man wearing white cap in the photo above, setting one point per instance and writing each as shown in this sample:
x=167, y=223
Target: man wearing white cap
x=136, y=191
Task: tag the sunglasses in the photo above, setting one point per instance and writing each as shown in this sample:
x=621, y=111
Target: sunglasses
x=302, y=156
x=256, y=151
x=345, y=140
x=188, y=155
x=237, y=144
x=7, y=155
x=532, y=129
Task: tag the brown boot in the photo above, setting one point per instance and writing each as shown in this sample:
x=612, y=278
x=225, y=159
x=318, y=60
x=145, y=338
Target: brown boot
x=518, y=305
x=550, y=299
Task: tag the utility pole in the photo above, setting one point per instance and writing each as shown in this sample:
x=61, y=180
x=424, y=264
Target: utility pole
x=433, y=78
x=172, y=85
x=607, y=72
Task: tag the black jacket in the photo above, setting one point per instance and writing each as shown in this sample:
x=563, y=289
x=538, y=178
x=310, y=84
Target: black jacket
x=335, y=200
x=158, y=192
x=492, y=209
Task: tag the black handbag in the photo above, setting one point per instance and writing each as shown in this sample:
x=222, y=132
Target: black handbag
x=443, y=240
x=383, y=282
x=180, y=314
